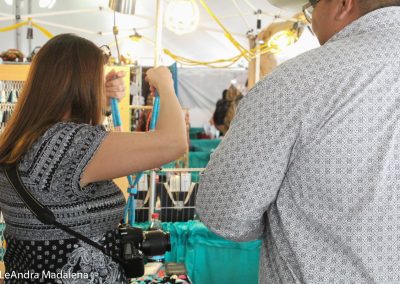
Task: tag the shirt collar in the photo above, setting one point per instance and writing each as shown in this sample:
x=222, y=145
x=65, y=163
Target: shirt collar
x=380, y=19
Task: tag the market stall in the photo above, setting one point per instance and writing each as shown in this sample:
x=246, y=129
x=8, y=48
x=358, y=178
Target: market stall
x=149, y=34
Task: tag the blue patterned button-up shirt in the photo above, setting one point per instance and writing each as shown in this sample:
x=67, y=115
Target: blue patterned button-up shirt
x=311, y=163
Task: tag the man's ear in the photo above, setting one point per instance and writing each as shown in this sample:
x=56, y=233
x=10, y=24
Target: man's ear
x=344, y=9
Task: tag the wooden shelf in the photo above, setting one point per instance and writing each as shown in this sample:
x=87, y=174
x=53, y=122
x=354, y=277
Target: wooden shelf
x=184, y=170
x=140, y=107
x=14, y=72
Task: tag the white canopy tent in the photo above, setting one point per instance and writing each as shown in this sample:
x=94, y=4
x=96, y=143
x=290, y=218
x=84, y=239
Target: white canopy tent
x=93, y=19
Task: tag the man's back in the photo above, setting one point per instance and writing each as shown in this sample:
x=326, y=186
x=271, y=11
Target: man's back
x=321, y=137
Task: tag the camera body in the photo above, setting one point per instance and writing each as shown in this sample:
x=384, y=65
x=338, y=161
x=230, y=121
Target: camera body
x=136, y=243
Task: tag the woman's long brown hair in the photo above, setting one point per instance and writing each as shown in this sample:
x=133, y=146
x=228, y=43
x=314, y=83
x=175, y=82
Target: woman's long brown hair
x=65, y=82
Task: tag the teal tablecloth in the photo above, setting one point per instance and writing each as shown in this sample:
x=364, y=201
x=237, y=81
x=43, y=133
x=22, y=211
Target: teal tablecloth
x=198, y=159
x=204, y=145
x=193, y=131
x=210, y=259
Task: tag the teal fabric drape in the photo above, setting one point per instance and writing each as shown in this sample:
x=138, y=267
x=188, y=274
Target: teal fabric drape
x=199, y=159
x=204, y=145
x=194, y=131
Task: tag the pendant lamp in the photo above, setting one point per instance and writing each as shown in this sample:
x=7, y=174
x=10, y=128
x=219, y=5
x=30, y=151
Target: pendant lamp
x=123, y=6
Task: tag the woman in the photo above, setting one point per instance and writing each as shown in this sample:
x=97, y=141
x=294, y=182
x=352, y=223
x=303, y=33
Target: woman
x=226, y=109
x=67, y=161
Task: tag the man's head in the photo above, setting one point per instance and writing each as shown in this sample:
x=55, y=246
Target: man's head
x=331, y=16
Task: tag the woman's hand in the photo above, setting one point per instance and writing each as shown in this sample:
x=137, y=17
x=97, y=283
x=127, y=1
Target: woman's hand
x=159, y=77
x=115, y=86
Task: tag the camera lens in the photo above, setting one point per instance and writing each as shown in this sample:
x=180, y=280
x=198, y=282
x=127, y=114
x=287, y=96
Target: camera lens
x=155, y=243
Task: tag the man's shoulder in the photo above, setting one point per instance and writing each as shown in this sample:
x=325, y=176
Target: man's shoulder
x=335, y=56
x=314, y=67
x=313, y=62
x=295, y=74
x=298, y=80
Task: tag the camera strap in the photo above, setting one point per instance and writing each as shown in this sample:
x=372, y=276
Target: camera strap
x=44, y=214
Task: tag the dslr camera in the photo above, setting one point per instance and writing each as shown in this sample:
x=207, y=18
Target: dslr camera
x=136, y=243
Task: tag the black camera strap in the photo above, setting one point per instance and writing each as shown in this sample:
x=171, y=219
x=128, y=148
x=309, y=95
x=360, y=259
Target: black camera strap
x=44, y=214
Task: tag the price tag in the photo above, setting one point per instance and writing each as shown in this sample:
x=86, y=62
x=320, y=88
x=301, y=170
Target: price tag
x=143, y=184
x=186, y=180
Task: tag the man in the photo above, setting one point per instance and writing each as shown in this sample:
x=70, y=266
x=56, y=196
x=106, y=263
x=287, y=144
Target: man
x=311, y=162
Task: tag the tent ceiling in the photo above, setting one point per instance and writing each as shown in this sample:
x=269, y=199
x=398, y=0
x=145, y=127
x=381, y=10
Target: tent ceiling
x=206, y=43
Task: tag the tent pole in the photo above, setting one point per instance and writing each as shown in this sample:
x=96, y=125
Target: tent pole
x=157, y=59
x=152, y=201
x=17, y=20
x=159, y=30
x=258, y=62
x=30, y=39
x=258, y=49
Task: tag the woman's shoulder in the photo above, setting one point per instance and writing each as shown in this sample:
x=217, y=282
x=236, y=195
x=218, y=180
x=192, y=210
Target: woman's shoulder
x=67, y=134
x=64, y=128
x=70, y=131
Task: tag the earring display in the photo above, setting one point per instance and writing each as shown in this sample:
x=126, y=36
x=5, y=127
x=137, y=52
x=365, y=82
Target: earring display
x=9, y=94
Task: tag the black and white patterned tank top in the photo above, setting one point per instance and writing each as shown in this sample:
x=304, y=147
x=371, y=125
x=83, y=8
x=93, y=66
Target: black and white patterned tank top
x=51, y=170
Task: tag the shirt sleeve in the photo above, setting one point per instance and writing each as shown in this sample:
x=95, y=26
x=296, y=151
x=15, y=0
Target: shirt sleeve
x=66, y=155
x=86, y=140
x=245, y=172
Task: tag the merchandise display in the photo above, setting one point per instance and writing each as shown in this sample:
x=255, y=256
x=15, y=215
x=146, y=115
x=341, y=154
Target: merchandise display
x=12, y=55
x=175, y=195
x=173, y=279
x=9, y=93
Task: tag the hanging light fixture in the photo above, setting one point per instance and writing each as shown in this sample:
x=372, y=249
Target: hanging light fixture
x=282, y=39
x=182, y=16
x=136, y=36
x=123, y=6
x=9, y=2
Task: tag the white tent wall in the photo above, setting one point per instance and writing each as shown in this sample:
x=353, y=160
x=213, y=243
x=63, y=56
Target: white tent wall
x=201, y=88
